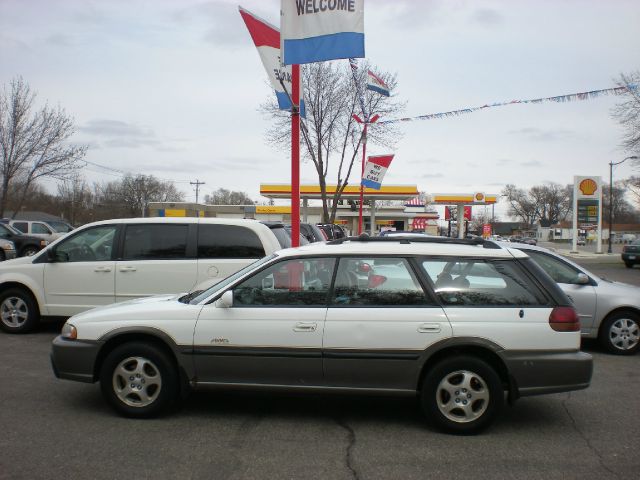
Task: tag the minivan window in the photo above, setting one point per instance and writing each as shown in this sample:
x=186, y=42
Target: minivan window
x=228, y=241
x=90, y=245
x=155, y=242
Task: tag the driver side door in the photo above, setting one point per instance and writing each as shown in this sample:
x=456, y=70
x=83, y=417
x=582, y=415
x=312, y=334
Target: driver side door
x=82, y=274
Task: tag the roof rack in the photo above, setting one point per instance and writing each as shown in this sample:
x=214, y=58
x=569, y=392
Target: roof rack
x=411, y=239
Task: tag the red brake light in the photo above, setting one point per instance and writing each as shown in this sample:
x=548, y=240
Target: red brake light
x=564, y=319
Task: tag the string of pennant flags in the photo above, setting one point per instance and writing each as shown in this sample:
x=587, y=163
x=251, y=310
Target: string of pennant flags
x=571, y=97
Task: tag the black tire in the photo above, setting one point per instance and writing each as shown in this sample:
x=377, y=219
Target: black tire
x=29, y=251
x=628, y=264
x=19, y=311
x=151, y=385
x=620, y=333
x=453, y=381
x=3, y=257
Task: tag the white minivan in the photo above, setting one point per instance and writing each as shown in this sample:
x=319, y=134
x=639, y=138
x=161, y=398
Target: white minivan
x=118, y=260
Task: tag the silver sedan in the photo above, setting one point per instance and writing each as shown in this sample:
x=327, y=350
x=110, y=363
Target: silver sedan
x=609, y=311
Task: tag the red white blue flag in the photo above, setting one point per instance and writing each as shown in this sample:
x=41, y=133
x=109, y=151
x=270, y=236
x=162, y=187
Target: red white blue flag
x=375, y=170
x=321, y=30
x=266, y=38
x=376, y=84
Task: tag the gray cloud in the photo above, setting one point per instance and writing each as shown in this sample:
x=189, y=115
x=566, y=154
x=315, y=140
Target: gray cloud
x=539, y=135
x=119, y=134
x=531, y=163
x=432, y=175
x=487, y=17
x=224, y=23
x=503, y=161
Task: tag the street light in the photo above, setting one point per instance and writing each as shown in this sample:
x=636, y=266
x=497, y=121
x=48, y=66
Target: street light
x=611, y=164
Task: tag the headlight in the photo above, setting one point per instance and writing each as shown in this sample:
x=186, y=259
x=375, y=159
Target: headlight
x=8, y=246
x=69, y=331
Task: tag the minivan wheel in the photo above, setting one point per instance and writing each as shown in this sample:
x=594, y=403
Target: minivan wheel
x=462, y=395
x=620, y=333
x=18, y=311
x=139, y=380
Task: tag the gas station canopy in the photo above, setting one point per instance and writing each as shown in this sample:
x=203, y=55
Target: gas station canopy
x=351, y=192
x=477, y=198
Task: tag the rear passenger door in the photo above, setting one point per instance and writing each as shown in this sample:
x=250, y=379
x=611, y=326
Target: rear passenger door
x=492, y=299
x=154, y=259
x=223, y=250
x=379, y=322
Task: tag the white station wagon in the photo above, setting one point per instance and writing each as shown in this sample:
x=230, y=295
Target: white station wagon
x=457, y=322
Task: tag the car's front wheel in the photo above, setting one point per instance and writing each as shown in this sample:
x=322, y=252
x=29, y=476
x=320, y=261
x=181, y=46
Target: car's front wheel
x=462, y=395
x=620, y=333
x=18, y=311
x=29, y=251
x=139, y=380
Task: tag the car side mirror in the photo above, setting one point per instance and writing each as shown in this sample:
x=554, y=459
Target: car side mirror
x=225, y=301
x=582, y=279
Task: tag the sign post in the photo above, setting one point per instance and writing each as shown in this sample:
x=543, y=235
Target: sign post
x=587, y=208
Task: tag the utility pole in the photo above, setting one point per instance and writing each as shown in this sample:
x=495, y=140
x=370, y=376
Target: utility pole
x=197, y=183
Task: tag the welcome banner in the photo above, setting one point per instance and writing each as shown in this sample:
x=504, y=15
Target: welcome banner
x=321, y=30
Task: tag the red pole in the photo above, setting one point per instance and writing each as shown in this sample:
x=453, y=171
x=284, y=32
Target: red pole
x=295, y=156
x=364, y=154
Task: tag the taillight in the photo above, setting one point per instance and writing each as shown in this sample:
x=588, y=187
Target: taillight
x=564, y=319
x=376, y=280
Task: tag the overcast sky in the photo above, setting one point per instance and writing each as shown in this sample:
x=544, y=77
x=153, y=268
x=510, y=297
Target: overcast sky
x=171, y=87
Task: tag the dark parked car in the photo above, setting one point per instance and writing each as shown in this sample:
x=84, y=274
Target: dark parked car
x=332, y=230
x=312, y=233
x=26, y=245
x=529, y=241
x=631, y=254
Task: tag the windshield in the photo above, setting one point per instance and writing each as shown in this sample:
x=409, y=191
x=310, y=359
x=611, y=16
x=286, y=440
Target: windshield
x=11, y=229
x=224, y=283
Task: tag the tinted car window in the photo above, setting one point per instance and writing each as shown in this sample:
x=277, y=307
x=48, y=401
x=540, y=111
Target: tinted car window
x=228, y=241
x=558, y=270
x=481, y=283
x=160, y=242
x=22, y=226
x=93, y=244
x=287, y=283
x=376, y=281
x=4, y=231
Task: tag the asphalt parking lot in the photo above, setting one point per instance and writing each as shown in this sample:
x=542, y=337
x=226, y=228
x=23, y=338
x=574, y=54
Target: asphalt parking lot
x=51, y=428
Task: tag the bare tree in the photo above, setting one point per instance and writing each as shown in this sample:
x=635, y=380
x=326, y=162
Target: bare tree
x=627, y=112
x=549, y=203
x=331, y=137
x=33, y=144
x=131, y=195
x=222, y=196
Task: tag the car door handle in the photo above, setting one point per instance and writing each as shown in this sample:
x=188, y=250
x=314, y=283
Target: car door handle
x=305, y=327
x=102, y=269
x=429, y=328
x=127, y=269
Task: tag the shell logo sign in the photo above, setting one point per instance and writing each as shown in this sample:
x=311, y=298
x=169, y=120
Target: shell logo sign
x=478, y=197
x=588, y=186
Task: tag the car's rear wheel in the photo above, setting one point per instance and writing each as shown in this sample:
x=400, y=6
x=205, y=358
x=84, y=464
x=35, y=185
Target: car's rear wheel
x=628, y=264
x=620, y=333
x=18, y=311
x=139, y=380
x=462, y=395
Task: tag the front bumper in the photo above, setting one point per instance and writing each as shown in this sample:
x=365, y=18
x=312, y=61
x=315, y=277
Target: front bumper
x=74, y=359
x=539, y=372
